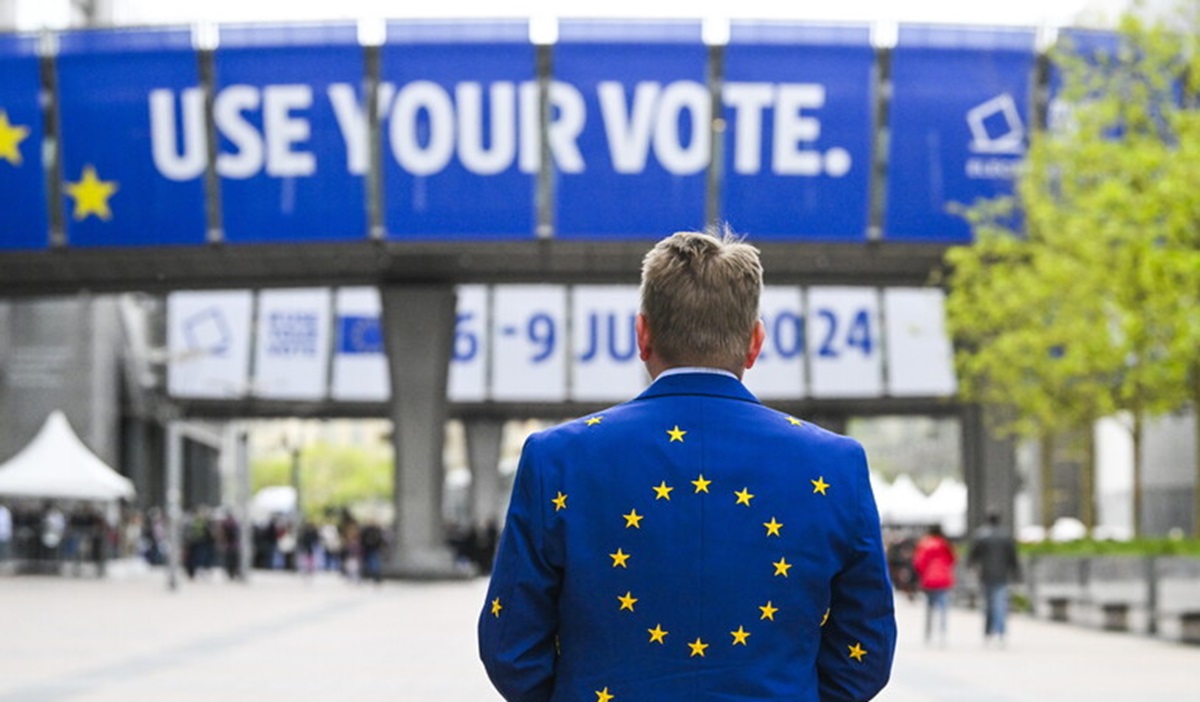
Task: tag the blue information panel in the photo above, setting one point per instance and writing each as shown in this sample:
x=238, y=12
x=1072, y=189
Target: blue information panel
x=133, y=142
x=959, y=125
x=798, y=110
x=22, y=180
x=293, y=137
x=630, y=129
x=460, y=130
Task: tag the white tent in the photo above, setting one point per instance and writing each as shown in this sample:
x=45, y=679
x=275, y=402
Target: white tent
x=56, y=465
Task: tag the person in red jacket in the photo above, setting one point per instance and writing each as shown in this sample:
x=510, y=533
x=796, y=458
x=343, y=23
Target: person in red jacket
x=934, y=560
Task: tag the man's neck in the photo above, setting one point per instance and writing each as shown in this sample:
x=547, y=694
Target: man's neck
x=676, y=370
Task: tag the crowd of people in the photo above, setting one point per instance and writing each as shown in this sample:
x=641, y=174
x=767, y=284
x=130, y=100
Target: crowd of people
x=929, y=563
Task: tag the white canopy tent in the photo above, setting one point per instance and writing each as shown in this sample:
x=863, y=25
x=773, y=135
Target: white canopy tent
x=57, y=465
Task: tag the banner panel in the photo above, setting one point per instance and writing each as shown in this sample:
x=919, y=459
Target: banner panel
x=460, y=113
x=920, y=359
x=360, y=365
x=134, y=146
x=605, y=365
x=845, y=356
x=959, y=122
x=469, y=362
x=528, y=343
x=22, y=176
x=291, y=357
x=292, y=131
x=799, y=114
x=631, y=129
x=208, y=344
x=778, y=374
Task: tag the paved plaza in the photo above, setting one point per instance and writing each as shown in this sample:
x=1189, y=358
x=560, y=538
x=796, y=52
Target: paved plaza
x=128, y=638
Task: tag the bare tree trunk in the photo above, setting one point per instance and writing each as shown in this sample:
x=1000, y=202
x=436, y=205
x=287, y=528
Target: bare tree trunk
x=1087, y=479
x=1138, y=422
x=1046, y=478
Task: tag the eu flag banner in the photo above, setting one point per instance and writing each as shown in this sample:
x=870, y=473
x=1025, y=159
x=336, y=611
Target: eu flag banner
x=798, y=110
x=292, y=125
x=631, y=133
x=959, y=123
x=133, y=139
x=459, y=115
x=22, y=179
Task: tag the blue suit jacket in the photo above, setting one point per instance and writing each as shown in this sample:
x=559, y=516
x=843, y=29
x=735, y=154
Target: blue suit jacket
x=690, y=544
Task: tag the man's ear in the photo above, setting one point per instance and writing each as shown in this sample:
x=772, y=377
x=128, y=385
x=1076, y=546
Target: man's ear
x=757, y=337
x=643, y=337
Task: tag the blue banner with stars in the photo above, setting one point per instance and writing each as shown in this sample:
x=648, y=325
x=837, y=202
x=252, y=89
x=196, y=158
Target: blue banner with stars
x=22, y=179
x=460, y=112
x=631, y=137
x=798, y=109
x=960, y=120
x=133, y=142
x=293, y=144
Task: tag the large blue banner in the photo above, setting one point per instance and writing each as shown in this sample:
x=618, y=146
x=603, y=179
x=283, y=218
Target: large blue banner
x=959, y=125
x=460, y=130
x=22, y=180
x=133, y=141
x=293, y=139
x=631, y=129
x=798, y=109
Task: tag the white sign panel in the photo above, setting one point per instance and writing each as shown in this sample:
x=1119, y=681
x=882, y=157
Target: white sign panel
x=605, y=364
x=920, y=358
x=208, y=344
x=529, y=343
x=360, y=370
x=778, y=374
x=468, y=362
x=292, y=352
x=844, y=349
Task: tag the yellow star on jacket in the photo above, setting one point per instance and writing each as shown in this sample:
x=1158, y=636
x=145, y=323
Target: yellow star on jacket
x=496, y=607
x=857, y=651
x=773, y=527
x=11, y=136
x=593, y=421
x=819, y=485
x=736, y=568
x=603, y=695
x=560, y=502
x=91, y=195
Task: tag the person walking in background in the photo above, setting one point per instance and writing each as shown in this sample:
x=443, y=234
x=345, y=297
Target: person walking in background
x=994, y=555
x=6, y=535
x=691, y=544
x=934, y=559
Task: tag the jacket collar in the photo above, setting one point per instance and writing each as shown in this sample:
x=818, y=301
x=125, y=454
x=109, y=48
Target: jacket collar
x=711, y=384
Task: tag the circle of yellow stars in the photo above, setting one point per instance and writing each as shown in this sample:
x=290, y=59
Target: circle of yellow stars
x=662, y=491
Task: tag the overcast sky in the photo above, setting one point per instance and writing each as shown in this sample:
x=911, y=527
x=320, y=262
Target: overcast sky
x=33, y=14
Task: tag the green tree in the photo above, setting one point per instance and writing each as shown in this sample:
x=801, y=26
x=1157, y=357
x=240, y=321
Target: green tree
x=1089, y=305
x=330, y=475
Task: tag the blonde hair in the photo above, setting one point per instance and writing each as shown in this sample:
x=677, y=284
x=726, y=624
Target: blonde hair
x=700, y=294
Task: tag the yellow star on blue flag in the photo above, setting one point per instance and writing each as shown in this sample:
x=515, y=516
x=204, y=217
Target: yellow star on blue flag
x=11, y=136
x=91, y=195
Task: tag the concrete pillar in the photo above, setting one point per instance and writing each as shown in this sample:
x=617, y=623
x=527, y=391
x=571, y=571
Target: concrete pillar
x=8, y=15
x=418, y=333
x=484, y=436
x=989, y=468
